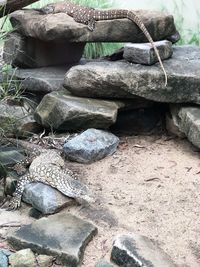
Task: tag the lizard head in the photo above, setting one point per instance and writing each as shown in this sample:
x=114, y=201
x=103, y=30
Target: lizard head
x=83, y=195
x=49, y=9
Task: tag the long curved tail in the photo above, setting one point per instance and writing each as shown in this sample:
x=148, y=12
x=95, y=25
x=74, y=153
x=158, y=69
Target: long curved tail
x=133, y=17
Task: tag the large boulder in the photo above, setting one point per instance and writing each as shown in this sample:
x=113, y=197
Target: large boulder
x=60, y=26
x=121, y=79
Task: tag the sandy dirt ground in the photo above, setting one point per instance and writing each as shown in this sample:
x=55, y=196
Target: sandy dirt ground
x=149, y=186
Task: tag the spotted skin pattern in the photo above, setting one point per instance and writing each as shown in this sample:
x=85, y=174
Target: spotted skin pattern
x=48, y=168
x=89, y=16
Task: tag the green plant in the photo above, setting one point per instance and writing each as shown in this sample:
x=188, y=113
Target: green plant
x=188, y=36
x=10, y=88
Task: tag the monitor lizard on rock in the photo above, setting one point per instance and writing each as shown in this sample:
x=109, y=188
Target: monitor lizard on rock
x=89, y=16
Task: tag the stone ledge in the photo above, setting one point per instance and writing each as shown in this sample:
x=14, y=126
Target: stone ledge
x=120, y=79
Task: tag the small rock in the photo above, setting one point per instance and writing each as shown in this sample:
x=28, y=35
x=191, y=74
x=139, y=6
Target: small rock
x=61, y=235
x=23, y=258
x=3, y=259
x=136, y=250
x=145, y=54
x=104, y=263
x=187, y=119
x=90, y=146
x=45, y=261
x=45, y=198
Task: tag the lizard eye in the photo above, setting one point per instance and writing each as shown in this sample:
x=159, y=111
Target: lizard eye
x=48, y=9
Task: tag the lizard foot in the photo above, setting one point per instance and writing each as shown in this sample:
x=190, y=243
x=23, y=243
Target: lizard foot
x=14, y=204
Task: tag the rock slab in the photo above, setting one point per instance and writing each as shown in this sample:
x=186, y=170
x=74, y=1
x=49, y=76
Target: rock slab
x=62, y=235
x=136, y=250
x=120, y=79
x=60, y=26
x=145, y=54
x=64, y=112
x=90, y=146
x=45, y=198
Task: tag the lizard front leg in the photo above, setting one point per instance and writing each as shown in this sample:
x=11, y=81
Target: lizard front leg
x=17, y=196
x=86, y=18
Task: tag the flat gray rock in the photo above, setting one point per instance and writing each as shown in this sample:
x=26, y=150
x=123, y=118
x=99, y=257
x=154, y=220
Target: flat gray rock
x=62, y=235
x=60, y=26
x=42, y=80
x=27, y=52
x=121, y=79
x=136, y=250
x=61, y=111
x=45, y=198
x=145, y=54
x=90, y=146
x=187, y=119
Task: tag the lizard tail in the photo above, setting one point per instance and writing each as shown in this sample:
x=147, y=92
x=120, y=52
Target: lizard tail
x=133, y=17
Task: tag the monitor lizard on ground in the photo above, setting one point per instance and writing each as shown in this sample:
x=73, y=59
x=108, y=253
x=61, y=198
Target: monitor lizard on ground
x=89, y=16
x=48, y=168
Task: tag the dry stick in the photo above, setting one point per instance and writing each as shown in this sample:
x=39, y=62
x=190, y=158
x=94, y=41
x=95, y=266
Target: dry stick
x=11, y=224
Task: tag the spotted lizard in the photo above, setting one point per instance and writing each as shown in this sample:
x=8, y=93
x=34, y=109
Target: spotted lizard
x=89, y=16
x=49, y=169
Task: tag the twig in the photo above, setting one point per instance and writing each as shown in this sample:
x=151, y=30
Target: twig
x=152, y=179
x=11, y=224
